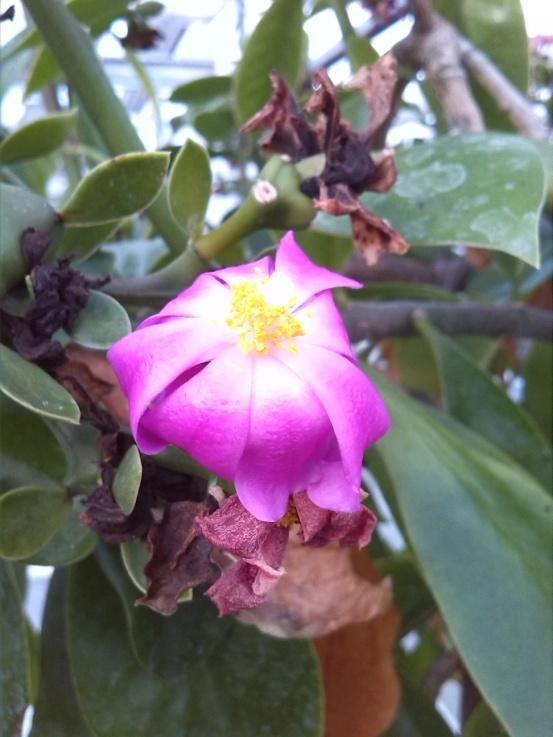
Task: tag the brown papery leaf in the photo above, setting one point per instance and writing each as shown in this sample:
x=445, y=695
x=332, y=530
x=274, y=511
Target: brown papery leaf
x=372, y=234
x=95, y=374
x=377, y=84
x=362, y=689
x=319, y=593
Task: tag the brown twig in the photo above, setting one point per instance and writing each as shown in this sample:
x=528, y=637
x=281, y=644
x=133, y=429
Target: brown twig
x=377, y=320
x=508, y=98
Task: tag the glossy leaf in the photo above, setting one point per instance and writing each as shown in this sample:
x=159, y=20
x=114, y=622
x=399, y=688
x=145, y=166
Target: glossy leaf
x=127, y=480
x=83, y=242
x=33, y=388
x=57, y=711
x=480, y=189
x=134, y=556
x=101, y=323
x=472, y=397
x=481, y=528
x=203, y=673
x=116, y=188
x=29, y=517
x=30, y=451
x=71, y=543
x=20, y=210
x=190, y=188
x=14, y=685
x=37, y=138
x=276, y=43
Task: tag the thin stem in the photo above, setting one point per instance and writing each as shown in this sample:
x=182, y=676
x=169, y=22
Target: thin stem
x=75, y=53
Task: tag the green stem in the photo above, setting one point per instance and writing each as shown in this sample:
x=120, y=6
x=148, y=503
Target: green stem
x=243, y=221
x=75, y=53
x=342, y=17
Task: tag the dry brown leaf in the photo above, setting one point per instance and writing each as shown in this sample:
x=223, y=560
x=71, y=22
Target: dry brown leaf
x=377, y=84
x=362, y=689
x=319, y=593
x=93, y=371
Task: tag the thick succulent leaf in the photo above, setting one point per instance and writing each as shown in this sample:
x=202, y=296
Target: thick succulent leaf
x=276, y=43
x=538, y=391
x=202, y=91
x=71, y=543
x=20, y=210
x=190, y=188
x=57, y=712
x=101, y=323
x=483, y=723
x=14, y=681
x=127, y=480
x=38, y=138
x=480, y=189
x=33, y=388
x=29, y=450
x=481, y=527
x=473, y=398
x=116, y=188
x=83, y=242
x=29, y=517
x=203, y=673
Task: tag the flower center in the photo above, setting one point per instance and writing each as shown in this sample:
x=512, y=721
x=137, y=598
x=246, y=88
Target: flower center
x=259, y=324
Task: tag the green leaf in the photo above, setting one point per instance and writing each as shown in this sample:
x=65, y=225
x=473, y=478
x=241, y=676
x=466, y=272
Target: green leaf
x=69, y=544
x=45, y=70
x=403, y=290
x=472, y=397
x=483, y=723
x=83, y=242
x=20, y=210
x=14, y=682
x=38, y=138
x=117, y=188
x=480, y=189
x=57, y=712
x=29, y=449
x=481, y=528
x=29, y=517
x=190, y=188
x=134, y=556
x=101, y=323
x=32, y=387
x=276, y=43
x=203, y=672
x=127, y=480
x=538, y=392
x=202, y=91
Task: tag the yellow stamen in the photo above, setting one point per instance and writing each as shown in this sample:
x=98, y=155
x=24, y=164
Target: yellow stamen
x=259, y=324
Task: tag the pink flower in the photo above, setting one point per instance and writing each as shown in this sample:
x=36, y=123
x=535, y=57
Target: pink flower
x=251, y=372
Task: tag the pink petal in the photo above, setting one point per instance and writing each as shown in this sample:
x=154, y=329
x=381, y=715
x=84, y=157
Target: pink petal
x=289, y=432
x=333, y=490
x=208, y=416
x=206, y=297
x=149, y=360
x=255, y=270
x=324, y=325
x=356, y=411
x=306, y=277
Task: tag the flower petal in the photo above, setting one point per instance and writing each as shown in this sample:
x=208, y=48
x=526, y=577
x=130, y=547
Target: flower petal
x=206, y=297
x=149, y=360
x=324, y=325
x=208, y=416
x=255, y=270
x=289, y=431
x=355, y=409
x=306, y=278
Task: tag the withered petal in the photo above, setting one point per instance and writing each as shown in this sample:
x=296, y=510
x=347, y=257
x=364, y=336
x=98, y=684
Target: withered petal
x=377, y=84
